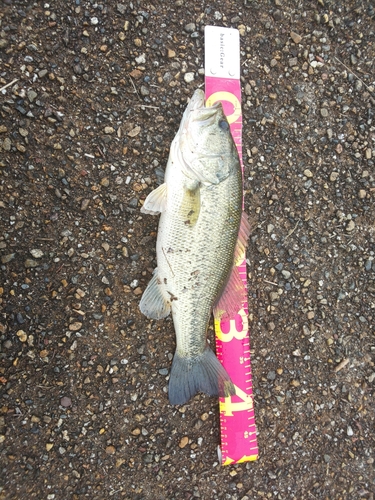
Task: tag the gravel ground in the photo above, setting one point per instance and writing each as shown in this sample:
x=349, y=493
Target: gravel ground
x=95, y=93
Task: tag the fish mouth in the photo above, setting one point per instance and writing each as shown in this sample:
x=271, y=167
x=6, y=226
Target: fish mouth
x=205, y=115
x=197, y=101
x=198, y=112
x=197, y=105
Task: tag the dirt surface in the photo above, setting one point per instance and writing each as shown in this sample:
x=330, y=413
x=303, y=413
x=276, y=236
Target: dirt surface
x=96, y=94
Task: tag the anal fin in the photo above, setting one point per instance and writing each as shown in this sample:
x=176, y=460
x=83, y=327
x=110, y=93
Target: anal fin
x=153, y=303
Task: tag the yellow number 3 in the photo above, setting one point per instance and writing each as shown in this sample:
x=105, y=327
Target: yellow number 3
x=238, y=327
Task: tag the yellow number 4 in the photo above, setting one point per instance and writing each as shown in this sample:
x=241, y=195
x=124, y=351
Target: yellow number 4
x=228, y=406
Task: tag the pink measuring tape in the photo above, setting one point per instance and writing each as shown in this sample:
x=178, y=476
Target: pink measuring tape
x=237, y=420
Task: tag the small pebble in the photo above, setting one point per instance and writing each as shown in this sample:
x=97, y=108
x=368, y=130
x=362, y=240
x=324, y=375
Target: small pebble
x=74, y=327
x=334, y=176
x=144, y=91
x=134, y=132
x=7, y=144
x=141, y=59
x=31, y=95
x=188, y=77
x=7, y=258
x=295, y=37
x=350, y=226
x=37, y=253
x=31, y=263
x=65, y=402
x=274, y=296
x=84, y=204
x=183, y=442
x=22, y=335
x=189, y=28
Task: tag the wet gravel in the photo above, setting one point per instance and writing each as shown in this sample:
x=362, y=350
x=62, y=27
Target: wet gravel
x=91, y=96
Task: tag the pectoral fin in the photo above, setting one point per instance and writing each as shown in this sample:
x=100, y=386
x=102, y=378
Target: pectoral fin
x=156, y=201
x=153, y=304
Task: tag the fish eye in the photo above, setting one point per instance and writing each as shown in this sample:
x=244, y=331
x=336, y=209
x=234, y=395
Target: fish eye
x=224, y=125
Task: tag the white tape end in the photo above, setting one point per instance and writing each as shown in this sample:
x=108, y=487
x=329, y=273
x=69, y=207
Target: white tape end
x=222, y=52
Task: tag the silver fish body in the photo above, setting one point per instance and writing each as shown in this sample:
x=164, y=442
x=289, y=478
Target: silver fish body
x=201, y=209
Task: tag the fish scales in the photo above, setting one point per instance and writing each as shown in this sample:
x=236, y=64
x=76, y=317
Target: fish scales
x=194, y=260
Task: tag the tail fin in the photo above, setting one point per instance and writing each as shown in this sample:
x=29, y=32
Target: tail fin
x=191, y=375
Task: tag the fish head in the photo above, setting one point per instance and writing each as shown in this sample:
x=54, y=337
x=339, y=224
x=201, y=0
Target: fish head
x=205, y=146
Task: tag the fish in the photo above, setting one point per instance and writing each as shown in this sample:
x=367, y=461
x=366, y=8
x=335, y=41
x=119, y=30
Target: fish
x=202, y=232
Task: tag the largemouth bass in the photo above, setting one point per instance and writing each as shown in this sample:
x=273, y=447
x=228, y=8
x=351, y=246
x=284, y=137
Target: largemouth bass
x=200, y=236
